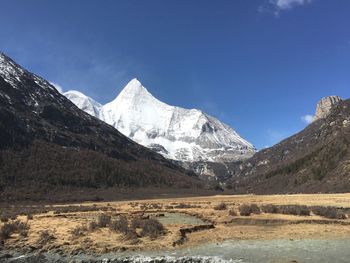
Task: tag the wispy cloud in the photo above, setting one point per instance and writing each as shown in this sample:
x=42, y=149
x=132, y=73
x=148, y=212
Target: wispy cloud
x=288, y=4
x=57, y=86
x=277, y=6
x=307, y=118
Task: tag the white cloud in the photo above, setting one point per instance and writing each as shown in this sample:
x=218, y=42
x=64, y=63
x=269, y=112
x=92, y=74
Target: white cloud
x=288, y=4
x=307, y=118
x=277, y=6
x=57, y=86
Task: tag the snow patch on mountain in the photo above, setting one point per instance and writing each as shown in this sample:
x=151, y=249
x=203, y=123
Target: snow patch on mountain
x=84, y=102
x=186, y=135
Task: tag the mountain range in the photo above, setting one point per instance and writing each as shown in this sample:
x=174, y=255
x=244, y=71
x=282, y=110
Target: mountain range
x=51, y=148
x=186, y=135
x=317, y=159
x=47, y=144
x=191, y=137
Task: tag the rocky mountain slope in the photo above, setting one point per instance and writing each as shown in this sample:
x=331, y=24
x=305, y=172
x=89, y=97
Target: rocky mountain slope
x=325, y=105
x=316, y=159
x=46, y=142
x=185, y=135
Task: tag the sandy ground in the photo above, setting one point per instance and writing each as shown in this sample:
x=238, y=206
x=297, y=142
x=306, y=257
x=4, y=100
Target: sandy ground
x=261, y=226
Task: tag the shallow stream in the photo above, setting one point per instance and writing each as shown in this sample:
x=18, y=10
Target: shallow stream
x=270, y=251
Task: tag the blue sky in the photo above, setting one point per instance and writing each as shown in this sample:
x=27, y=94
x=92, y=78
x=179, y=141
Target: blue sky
x=258, y=65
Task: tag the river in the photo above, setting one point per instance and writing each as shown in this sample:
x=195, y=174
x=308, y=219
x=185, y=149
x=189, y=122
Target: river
x=229, y=251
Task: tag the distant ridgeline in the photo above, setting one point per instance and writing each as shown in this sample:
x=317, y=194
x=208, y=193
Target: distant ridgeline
x=314, y=160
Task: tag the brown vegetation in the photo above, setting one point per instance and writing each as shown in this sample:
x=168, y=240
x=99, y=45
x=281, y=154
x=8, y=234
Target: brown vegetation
x=10, y=228
x=221, y=206
x=247, y=210
x=103, y=220
x=45, y=237
x=149, y=224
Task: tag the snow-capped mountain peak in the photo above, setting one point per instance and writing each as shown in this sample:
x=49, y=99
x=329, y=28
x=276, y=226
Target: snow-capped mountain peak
x=177, y=133
x=84, y=102
x=134, y=88
x=134, y=93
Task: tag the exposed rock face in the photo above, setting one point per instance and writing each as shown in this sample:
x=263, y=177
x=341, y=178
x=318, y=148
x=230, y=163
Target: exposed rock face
x=325, y=105
x=314, y=160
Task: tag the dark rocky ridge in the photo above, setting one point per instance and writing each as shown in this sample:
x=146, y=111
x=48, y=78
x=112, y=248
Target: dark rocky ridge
x=316, y=159
x=38, y=124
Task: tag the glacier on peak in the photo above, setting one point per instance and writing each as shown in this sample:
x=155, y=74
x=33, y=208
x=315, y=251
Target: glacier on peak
x=186, y=135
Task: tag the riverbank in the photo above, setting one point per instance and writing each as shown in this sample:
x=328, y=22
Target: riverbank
x=183, y=223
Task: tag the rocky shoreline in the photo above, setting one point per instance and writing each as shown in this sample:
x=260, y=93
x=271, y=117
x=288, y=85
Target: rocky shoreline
x=16, y=257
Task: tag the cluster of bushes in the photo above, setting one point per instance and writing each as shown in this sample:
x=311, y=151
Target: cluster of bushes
x=138, y=227
x=298, y=210
x=4, y=217
x=151, y=206
x=221, y=206
x=10, y=212
x=10, y=228
x=247, y=210
x=302, y=210
x=328, y=212
x=183, y=206
x=149, y=227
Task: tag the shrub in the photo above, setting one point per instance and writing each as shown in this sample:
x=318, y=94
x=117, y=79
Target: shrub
x=182, y=206
x=298, y=210
x=136, y=223
x=45, y=237
x=4, y=218
x=247, y=210
x=131, y=234
x=13, y=227
x=21, y=228
x=93, y=226
x=328, y=212
x=6, y=231
x=232, y=212
x=156, y=206
x=270, y=209
x=29, y=216
x=103, y=220
x=120, y=225
x=152, y=228
x=79, y=231
x=221, y=206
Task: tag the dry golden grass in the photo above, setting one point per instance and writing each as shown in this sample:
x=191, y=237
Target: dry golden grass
x=256, y=226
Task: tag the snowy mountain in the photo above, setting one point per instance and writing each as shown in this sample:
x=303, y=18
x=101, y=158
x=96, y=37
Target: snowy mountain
x=46, y=142
x=186, y=135
x=83, y=102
